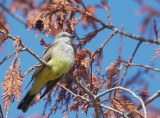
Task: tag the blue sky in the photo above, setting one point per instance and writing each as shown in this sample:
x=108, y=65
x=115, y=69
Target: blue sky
x=123, y=12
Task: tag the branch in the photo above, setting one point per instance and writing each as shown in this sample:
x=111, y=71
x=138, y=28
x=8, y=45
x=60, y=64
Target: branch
x=149, y=100
x=96, y=19
x=12, y=13
x=114, y=110
x=145, y=66
x=96, y=108
x=110, y=36
x=104, y=3
x=2, y=25
x=127, y=90
x=94, y=97
x=91, y=95
x=80, y=85
x=106, y=41
x=27, y=49
x=132, y=35
x=10, y=55
x=1, y=113
x=130, y=61
x=75, y=95
x=29, y=70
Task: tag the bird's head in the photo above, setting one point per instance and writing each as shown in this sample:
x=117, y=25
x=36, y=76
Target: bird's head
x=64, y=37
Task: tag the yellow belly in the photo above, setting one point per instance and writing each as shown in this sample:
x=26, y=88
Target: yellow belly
x=59, y=68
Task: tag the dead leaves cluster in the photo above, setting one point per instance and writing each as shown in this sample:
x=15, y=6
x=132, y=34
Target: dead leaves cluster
x=12, y=80
x=61, y=15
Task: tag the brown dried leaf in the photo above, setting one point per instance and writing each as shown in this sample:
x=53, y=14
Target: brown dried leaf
x=12, y=83
x=157, y=53
x=3, y=38
x=112, y=74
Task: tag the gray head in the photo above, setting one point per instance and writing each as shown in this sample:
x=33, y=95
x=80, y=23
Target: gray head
x=64, y=37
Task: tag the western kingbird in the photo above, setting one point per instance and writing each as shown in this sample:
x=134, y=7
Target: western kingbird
x=60, y=57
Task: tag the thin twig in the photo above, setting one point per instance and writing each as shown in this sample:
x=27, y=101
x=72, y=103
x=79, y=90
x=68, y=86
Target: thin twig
x=127, y=90
x=104, y=3
x=7, y=111
x=125, y=72
x=10, y=55
x=80, y=85
x=149, y=100
x=1, y=113
x=132, y=36
x=97, y=96
x=12, y=13
x=106, y=41
x=111, y=27
x=1, y=24
x=114, y=110
x=138, y=45
x=91, y=95
x=91, y=62
x=120, y=48
x=28, y=50
x=140, y=65
x=102, y=112
x=96, y=108
x=29, y=70
x=75, y=95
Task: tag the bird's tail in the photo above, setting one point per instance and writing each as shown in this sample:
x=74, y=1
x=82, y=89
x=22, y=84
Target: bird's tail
x=26, y=101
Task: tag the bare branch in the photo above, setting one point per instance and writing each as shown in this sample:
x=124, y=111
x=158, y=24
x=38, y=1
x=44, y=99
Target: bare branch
x=75, y=95
x=96, y=108
x=29, y=70
x=130, y=61
x=149, y=100
x=91, y=95
x=106, y=41
x=132, y=36
x=27, y=49
x=1, y=24
x=155, y=29
x=127, y=90
x=10, y=55
x=80, y=85
x=7, y=111
x=13, y=14
x=104, y=3
x=114, y=110
x=140, y=65
x=111, y=35
x=1, y=113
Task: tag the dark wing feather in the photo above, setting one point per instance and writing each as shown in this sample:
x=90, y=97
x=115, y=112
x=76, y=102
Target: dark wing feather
x=46, y=57
x=49, y=86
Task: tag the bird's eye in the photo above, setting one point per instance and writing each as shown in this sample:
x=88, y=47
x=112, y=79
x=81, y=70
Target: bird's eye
x=63, y=35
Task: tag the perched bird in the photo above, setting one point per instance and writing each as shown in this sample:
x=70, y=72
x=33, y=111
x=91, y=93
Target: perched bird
x=60, y=57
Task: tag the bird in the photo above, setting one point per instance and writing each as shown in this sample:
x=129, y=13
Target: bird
x=60, y=57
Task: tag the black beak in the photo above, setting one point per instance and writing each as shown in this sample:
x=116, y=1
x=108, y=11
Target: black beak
x=72, y=36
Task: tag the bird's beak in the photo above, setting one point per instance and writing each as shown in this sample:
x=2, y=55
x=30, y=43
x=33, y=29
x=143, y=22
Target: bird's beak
x=72, y=36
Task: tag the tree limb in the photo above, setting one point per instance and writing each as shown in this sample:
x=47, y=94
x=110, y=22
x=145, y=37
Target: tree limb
x=127, y=90
x=140, y=65
x=13, y=14
x=149, y=100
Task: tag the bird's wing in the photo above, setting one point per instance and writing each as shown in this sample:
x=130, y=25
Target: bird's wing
x=46, y=57
x=49, y=86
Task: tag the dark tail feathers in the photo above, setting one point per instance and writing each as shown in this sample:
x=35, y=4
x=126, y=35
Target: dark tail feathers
x=26, y=102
